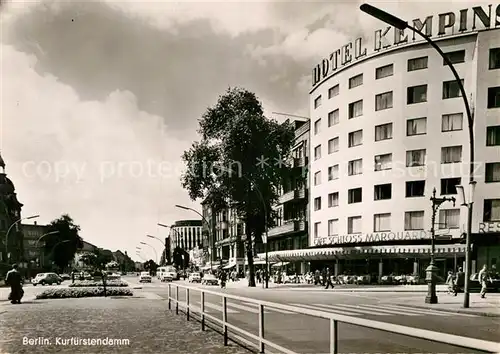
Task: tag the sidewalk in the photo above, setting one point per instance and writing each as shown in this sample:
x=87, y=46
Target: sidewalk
x=489, y=307
x=129, y=325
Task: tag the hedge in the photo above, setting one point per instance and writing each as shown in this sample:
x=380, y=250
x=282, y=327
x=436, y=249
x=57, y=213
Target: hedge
x=62, y=293
x=91, y=283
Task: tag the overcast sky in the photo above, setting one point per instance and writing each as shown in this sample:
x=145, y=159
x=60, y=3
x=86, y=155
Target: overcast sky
x=100, y=99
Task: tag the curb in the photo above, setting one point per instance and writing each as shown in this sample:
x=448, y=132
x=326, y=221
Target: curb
x=468, y=312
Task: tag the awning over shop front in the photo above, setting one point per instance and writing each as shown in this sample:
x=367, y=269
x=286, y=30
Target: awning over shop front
x=280, y=264
x=229, y=266
x=332, y=253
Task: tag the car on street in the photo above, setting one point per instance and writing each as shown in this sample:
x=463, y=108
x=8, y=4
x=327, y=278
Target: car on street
x=65, y=276
x=144, y=277
x=209, y=279
x=194, y=278
x=167, y=273
x=46, y=279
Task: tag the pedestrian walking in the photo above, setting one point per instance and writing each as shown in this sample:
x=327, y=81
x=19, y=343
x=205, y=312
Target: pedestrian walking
x=223, y=278
x=484, y=277
x=450, y=282
x=459, y=280
x=328, y=280
x=14, y=280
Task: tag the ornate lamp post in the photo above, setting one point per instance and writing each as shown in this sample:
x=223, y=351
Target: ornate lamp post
x=432, y=270
x=402, y=25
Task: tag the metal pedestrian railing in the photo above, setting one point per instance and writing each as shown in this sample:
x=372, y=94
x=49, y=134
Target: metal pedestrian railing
x=444, y=338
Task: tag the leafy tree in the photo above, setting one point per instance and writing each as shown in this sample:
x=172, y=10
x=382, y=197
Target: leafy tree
x=61, y=247
x=151, y=267
x=240, y=162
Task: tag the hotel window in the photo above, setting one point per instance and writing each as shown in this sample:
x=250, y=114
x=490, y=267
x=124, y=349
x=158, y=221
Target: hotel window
x=317, y=126
x=494, y=97
x=382, y=222
x=451, y=89
x=355, y=167
x=333, y=199
x=417, y=94
x=333, y=145
x=333, y=227
x=333, y=91
x=493, y=136
x=452, y=122
x=416, y=126
x=418, y=63
x=333, y=172
x=333, y=117
x=354, y=225
x=494, y=58
x=415, y=189
x=414, y=220
x=455, y=57
x=492, y=172
x=415, y=158
x=383, y=101
x=383, y=132
x=317, y=102
x=317, y=178
x=356, y=109
x=355, y=195
x=491, y=210
x=317, y=203
x=449, y=219
x=317, y=226
x=355, y=138
x=384, y=71
x=451, y=154
x=383, y=191
x=317, y=152
x=383, y=162
x=448, y=185
x=356, y=81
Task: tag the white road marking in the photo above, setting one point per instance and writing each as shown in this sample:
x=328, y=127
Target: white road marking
x=354, y=309
x=339, y=312
x=430, y=311
x=219, y=308
x=271, y=309
x=393, y=312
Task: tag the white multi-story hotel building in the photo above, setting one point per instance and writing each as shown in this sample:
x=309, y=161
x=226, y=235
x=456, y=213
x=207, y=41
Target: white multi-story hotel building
x=389, y=126
x=186, y=234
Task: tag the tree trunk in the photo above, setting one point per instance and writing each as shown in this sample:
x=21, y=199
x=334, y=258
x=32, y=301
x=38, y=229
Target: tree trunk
x=251, y=268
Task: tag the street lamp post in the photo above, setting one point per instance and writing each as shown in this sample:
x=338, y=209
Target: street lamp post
x=402, y=25
x=179, y=236
x=165, y=249
x=432, y=270
x=154, y=250
x=210, y=238
x=10, y=228
x=48, y=233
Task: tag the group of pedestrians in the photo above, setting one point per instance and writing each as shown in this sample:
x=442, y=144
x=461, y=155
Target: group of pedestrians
x=456, y=281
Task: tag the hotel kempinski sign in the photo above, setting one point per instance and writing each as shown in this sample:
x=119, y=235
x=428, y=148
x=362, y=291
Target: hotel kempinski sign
x=373, y=237
x=449, y=23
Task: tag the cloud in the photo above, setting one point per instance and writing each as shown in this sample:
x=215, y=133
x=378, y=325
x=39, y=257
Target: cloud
x=106, y=163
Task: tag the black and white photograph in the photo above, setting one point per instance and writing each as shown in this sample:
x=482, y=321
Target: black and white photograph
x=245, y=176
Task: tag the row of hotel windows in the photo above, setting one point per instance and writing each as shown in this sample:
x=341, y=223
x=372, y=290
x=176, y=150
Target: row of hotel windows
x=417, y=126
x=414, y=220
x=413, y=189
x=413, y=158
x=413, y=65
x=416, y=94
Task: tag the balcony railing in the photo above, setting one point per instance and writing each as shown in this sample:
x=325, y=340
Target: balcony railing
x=287, y=227
x=296, y=194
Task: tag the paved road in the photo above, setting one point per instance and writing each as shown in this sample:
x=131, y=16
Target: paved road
x=305, y=334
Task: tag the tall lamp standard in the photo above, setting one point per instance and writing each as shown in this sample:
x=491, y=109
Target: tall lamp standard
x=48, y=233
x=432, y=270
x=402, y=25
x=467, y=203
x=10, y=228
x=154, y=249
x=209, y=231
x=164, y=251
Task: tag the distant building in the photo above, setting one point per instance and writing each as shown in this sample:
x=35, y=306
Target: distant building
x=87, y=248
x=10, y=213
x=33, y=245
x=185, y=234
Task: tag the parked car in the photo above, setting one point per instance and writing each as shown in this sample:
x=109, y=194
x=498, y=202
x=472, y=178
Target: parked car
x=145, y=277
x=46, y=279
x=194, y=278
x=209, y=279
